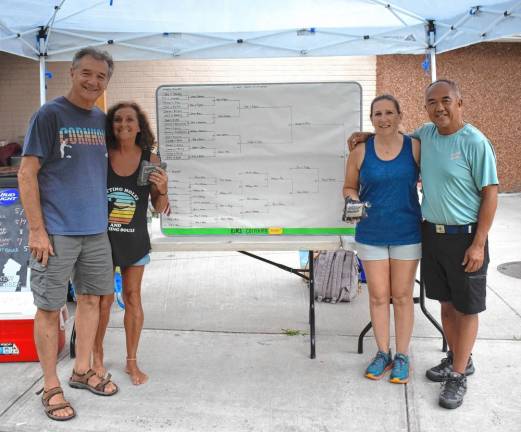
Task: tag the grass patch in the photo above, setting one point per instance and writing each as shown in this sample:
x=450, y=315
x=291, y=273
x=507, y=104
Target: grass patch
x=293, y=332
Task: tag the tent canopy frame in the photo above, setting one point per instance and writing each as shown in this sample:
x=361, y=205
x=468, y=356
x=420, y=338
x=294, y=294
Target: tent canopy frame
x=403, y=27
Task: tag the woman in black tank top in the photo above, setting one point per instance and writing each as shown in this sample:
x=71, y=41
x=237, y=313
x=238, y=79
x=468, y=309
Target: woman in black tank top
x=130, y=141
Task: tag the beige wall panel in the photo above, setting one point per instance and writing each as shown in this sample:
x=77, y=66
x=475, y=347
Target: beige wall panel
x=138, y=81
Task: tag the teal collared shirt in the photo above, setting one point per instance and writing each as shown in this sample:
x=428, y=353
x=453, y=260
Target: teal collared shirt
x=454, y=169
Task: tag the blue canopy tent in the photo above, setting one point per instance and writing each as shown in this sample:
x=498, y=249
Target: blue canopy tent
x=51, y=30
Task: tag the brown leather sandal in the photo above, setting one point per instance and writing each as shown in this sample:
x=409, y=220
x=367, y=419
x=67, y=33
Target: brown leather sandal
x=81, y=381
x=51, y=408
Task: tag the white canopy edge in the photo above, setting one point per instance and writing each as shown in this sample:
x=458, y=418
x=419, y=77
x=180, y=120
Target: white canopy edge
x=205, y=29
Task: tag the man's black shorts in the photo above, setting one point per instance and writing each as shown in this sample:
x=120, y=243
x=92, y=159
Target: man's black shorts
x=443, y=274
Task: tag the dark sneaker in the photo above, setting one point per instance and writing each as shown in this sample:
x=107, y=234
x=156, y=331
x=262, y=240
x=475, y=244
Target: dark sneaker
x=381, y=363
x=440, y=372
x=470, y=369
x=453, y=390
x=400, y=372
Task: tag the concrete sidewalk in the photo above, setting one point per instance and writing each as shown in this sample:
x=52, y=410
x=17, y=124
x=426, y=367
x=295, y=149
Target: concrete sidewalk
x=219, y=359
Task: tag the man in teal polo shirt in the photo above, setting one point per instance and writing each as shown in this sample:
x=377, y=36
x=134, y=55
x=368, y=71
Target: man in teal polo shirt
x=460, y=185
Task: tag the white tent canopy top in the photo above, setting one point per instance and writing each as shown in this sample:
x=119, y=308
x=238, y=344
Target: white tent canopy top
x=158, y=29
x=51, y=30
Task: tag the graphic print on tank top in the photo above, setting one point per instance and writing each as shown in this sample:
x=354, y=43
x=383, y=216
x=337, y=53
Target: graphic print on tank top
x=122, y=207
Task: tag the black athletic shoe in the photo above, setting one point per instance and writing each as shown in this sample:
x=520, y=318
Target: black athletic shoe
x=440, y=372
x=453, y=390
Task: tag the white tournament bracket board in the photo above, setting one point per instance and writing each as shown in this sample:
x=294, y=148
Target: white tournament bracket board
x=256, y=159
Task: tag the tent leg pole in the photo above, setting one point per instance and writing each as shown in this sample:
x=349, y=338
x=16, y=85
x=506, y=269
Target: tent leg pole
x=431, y=40
x=42, y=80
x=433, y=64
x=42, y=75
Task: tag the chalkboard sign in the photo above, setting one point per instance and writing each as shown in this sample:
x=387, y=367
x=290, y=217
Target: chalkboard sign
x=14, y=252
x=256, y=159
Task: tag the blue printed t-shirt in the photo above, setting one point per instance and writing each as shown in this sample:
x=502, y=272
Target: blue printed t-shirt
x=70, y=143
x=454, y=169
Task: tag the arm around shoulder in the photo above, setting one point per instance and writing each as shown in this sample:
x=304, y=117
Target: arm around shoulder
x=357, y=138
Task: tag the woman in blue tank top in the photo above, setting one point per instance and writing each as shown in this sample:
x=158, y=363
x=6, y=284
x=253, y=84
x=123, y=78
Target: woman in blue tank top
x=384, y=172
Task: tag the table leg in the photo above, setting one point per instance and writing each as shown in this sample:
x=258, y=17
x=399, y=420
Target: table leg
x=361, y=337
x=417, y=300
x=72, y=343
x=429, y=316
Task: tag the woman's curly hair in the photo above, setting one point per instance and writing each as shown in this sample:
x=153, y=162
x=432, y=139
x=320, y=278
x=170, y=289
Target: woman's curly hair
x=144, y=139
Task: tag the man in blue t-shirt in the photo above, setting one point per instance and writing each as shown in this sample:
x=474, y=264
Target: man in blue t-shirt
x=460, y=186
x=62, y=180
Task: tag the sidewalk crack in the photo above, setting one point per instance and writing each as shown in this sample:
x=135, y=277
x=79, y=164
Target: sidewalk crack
x=504, y=301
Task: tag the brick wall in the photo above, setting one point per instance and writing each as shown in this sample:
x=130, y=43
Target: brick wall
x=138, y=81
x=489, y=75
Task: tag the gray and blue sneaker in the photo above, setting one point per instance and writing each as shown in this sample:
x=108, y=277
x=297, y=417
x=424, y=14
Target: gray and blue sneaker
x=440, y=372
x=452, y=390
x=381, y=363
x=400, y=371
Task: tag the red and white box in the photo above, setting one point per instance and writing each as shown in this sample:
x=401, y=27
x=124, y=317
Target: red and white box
x=16, y=328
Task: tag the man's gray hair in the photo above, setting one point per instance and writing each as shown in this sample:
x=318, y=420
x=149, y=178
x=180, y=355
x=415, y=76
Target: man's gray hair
x=95, y=54
x=452, y=84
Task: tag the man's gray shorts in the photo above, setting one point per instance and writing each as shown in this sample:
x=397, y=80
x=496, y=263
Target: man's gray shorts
x=87, y=260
